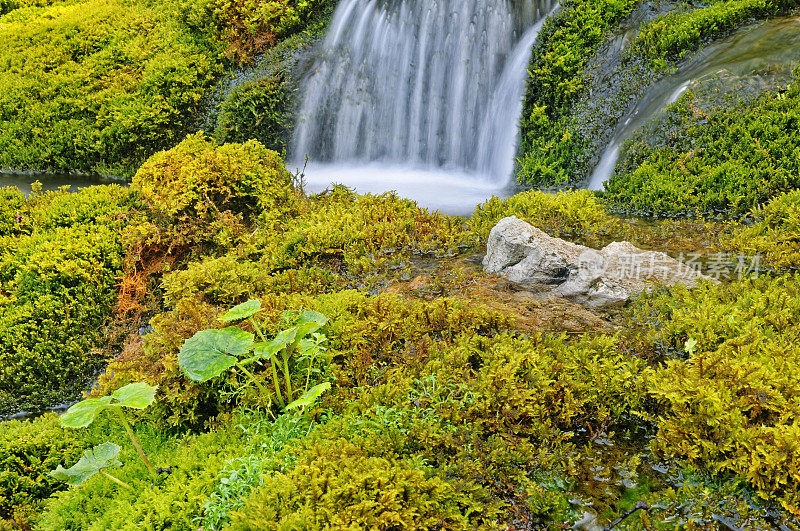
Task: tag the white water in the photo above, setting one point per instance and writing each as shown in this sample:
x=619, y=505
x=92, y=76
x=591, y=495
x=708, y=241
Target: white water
x=423, y=98
x=773, y=43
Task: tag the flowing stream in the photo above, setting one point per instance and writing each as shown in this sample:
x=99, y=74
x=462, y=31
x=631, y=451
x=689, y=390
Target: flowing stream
x=423, y=98
x=775, y=43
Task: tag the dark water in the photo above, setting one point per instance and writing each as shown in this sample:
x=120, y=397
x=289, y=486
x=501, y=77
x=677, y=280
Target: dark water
x=50, y=181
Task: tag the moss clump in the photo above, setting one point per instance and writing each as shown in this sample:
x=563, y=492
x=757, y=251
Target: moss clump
x=200, y=194
x=365, y=232
x=775, y=234
x=249, y=28
x=729, y=393
x=228, y=280
x=557, y=143
x=28, y=451
x=97, y=86
x=12, y=203
x=549, y=142
x=262, y=106
x=676, y=33
x=172, y=502
x=562, y=215
x=57, y=287
x=319, y=492
x=737, y=159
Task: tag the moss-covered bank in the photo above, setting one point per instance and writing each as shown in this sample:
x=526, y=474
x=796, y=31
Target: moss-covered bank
x=451, y=403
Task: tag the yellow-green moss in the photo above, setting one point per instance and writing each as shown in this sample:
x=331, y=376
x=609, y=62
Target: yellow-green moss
x=730, y=392
x=28, y=451
x=775, y=234
x=58, y=275
x=337, y=485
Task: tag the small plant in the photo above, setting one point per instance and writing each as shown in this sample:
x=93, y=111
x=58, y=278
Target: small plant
x=94, y=461
x=209, y=353
x=137, y=395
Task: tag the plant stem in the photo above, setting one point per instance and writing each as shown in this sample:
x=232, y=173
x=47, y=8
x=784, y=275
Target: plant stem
x=257, y=329
x=250, y=375
x=134, y=440
x=310, y=365
x=274, y=372
x=115, y=480
x=286, y=375
x=276, y=381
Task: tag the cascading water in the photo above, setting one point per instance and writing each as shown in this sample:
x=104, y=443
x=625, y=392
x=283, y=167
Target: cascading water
x=420, y=97
x=749, y=52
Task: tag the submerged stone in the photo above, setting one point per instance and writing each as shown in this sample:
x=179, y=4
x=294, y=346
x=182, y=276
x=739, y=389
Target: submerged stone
x=527, y=256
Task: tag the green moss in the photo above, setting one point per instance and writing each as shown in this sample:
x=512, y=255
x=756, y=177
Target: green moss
x=12, y=202
x=6, y=6
x=28, y=451
x=556, y=147
x=248, y=28
x=319, y=492
x=366, y=232
x=677, y=33
x=96, y=86
x=57, y=288
x=173, y=502
x=774, y=235
x=99, y=86
x=200, y=194
x=261, y=108
x=730, y=402
x=567, y=41
x=736, y=159
x=562, y=215
x=227, y=280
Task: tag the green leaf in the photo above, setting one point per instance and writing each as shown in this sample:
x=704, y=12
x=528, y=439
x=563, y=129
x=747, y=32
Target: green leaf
x=93, y=460
x=310, y=396
x=309, y=316
x=209, y=353
x=266, y=350
x=307, y=328
x=283, y=339
x=137, y=395
x=242, y=311
x=82, y=414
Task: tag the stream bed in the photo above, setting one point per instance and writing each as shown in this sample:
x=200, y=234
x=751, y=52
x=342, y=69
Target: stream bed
x=50, y=181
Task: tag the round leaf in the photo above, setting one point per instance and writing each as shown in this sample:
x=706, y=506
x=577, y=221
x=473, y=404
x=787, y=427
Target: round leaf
x=209, y=353
x=312, y=316
x=137, y=395
x=242, y=311
x=93, y=460
x=82, y=414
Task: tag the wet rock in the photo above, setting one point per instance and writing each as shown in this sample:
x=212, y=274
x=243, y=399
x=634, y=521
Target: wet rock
x=535, y=261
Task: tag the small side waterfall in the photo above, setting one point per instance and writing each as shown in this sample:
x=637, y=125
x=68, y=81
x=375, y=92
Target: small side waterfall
x=750, y=55
x=430, y=87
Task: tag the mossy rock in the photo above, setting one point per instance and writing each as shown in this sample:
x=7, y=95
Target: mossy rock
x=199, y=193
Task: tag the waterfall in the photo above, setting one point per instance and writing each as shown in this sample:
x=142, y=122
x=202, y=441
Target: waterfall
x=755, y=57
x=432, y=87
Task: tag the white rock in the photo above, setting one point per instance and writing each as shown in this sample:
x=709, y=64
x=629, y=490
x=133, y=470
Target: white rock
x=530, y=258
